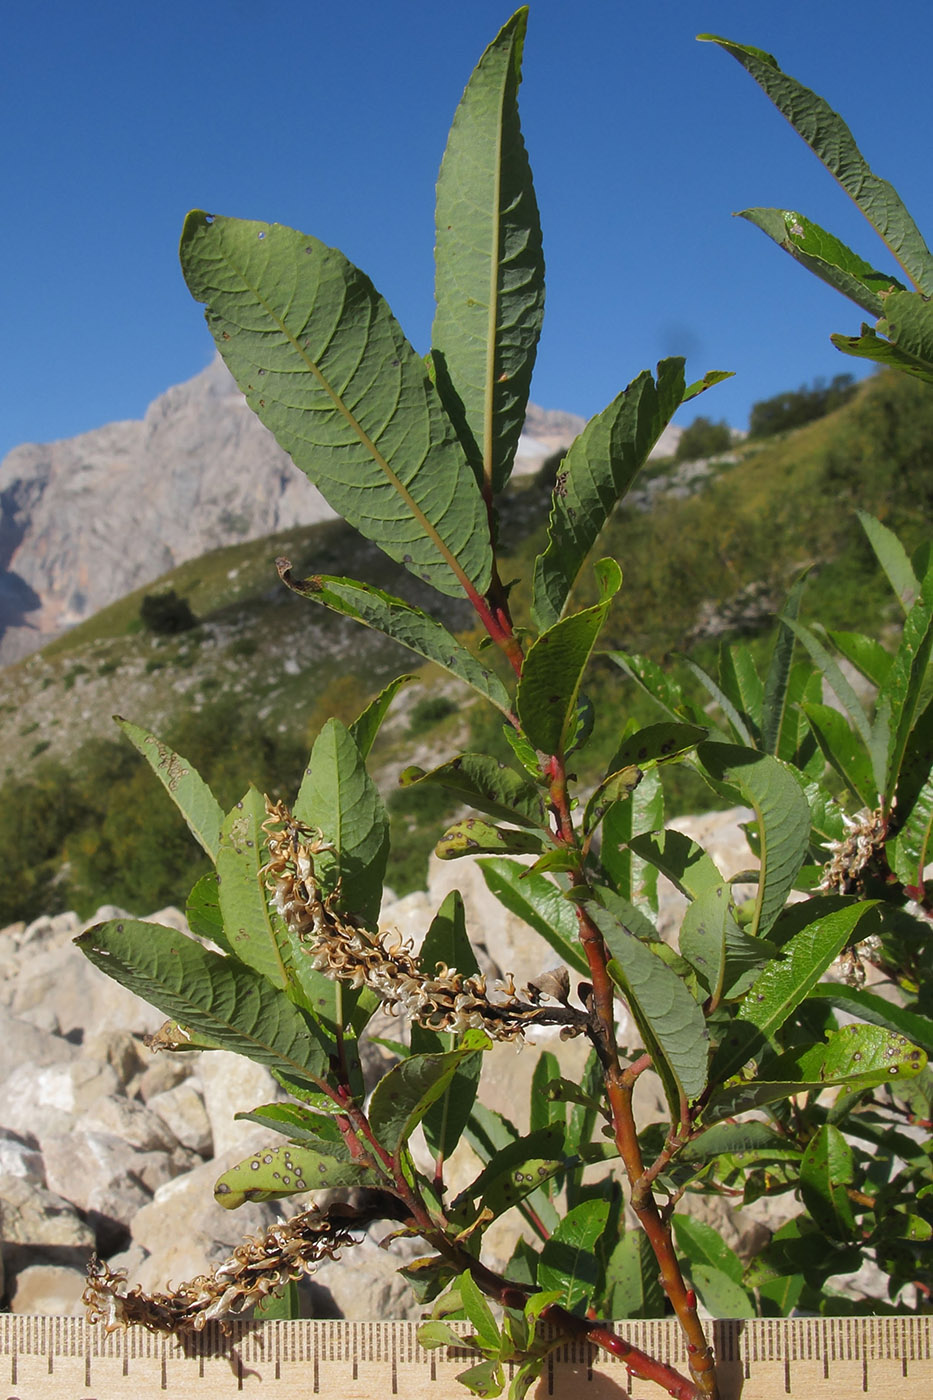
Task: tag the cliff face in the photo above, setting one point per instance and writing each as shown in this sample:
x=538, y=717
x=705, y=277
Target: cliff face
x=85, y=520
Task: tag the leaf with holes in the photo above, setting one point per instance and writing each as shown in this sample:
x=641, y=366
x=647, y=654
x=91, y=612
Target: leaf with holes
x=273, y=1173
x=183, y=783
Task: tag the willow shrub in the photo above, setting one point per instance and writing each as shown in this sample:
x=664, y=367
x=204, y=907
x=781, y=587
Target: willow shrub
x=767, y=1092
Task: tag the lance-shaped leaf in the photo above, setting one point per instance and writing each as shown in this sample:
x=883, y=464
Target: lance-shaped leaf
x=724, y=957
x=568, y=1260
x=633, y=1287
x=516, y=1170
x=338, y=797
x=183, y=783
x=487, y=784
x=899, y=696
x=633, y=877
x=856, y=1057
x=325, y=365
x=824, y=255
x=679, y=857
x=784, y=983
x=871, y=346
x=910, y=851
x=774, y=700
x=598, y=469
x=547, y=693
x=409, y=626
x=829, y=138
x=825, y=1172
x=865, y=654
x=202, y=912
x=273, y=1173
x=735, y=719
x=216, y=996
x=892, y=556
x=472, y=837
x=489, y=281
x=668, y=1018
x=256, y=934
x=614, y=788
x=657, y=743
x=403, y=1096
x=772, y=789
x=447, y=942
x=908, y=323
x=843, y=750
x=878, y=1011
x=538, y=902
x=367, y=724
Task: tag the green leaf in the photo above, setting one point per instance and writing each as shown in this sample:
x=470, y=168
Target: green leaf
x=633, y=1286
x=403, y=1096
x=487, y=784
x=739, y=678
x=775, y=697
x=899, y=696
x=657, y=743
x=202, y=912
x=679, y=857
x=892, y=556
x=539, y=903
x=784, y=984
x=857, y=1057
x=700, y=1243
x=447, y=942
x=516, y=1170
x=485, y=1379
x=490, y=1134
x=828, y=136
x=629, y=870
x=568, y=1260
x=273, y=1173
x=366, y=726
x=655, y=682
x=825, y=1172
x=256, y=935
x=721, y=1295
x=183, y=783
x=546, y=698
x=909, y=852
x=216, y=996
x=878, y=1011
x=748, y=1142
x=843, y=750
x=668, y=1018
x=407, y=625
x=870, y=346
x=723, y=956
x=489, y=280
x=615, y=788
x=865, y=654
x=735, y=720
x=479, y=1314
x=339, y=798
x=908, y=323
x=597, y=471
x=772, y=789
x=472, y=836
x=325, y=365
x=824, y=255
x=709, y=380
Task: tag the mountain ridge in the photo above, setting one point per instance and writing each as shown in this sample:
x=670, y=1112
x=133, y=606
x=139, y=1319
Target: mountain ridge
x=88, y=519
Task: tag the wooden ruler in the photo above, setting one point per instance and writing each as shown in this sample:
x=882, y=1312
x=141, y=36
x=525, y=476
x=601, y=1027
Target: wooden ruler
x=806, y=1358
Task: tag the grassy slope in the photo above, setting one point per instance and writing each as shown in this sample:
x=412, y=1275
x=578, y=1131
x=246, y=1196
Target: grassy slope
x=716, y=560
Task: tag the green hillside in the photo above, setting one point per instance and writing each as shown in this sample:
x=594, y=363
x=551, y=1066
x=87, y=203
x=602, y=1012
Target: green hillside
x=242, y=692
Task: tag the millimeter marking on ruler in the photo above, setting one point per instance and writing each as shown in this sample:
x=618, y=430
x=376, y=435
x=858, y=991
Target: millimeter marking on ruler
x=888, y=1358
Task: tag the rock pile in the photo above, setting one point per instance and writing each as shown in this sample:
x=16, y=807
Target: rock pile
x=107, y=1148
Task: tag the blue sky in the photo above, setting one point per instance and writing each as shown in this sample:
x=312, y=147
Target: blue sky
x=118, y=117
